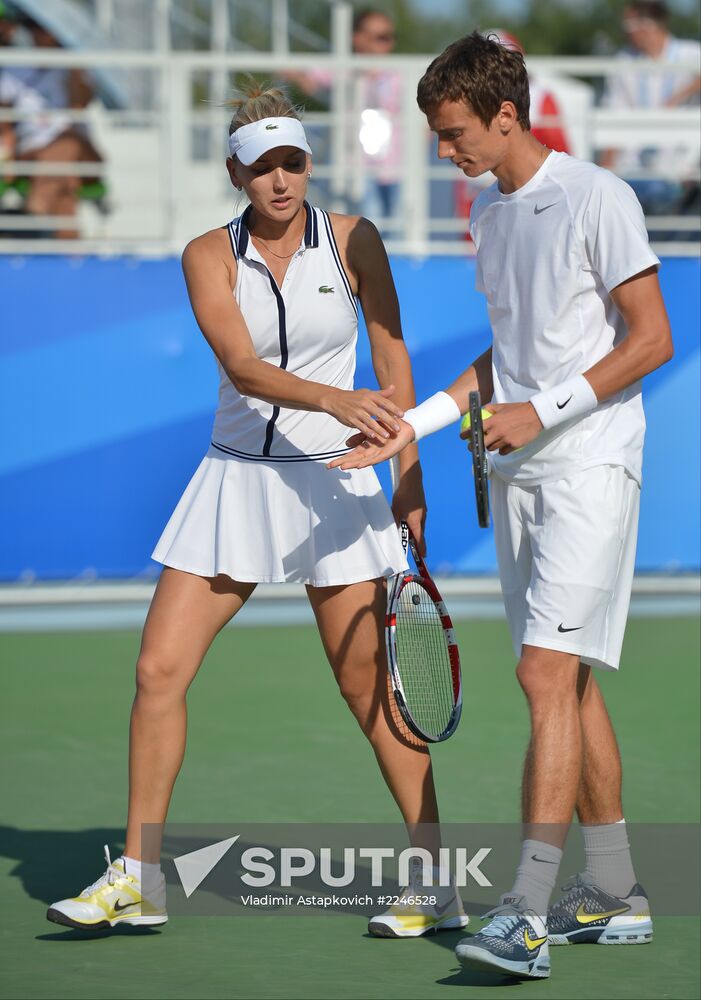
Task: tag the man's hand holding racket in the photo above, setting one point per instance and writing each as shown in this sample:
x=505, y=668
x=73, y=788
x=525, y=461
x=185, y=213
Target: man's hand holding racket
x=511, y=426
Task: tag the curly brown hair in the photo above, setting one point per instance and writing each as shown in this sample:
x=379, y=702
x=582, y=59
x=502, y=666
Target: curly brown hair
x=481, y=73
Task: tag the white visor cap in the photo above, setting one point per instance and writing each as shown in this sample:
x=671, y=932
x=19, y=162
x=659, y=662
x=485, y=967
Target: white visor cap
x=249, y=142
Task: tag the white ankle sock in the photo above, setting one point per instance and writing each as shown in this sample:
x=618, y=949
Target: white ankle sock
x=607, y=851
x=141, y=870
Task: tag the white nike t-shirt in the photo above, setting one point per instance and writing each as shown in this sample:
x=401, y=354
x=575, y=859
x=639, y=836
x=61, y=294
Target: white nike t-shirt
x=548, y=256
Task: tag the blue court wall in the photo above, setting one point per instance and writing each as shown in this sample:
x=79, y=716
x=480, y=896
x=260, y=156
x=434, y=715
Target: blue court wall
x=107, y=392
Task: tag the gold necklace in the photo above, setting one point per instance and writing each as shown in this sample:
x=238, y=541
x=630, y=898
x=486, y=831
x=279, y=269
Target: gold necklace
x=280, y=256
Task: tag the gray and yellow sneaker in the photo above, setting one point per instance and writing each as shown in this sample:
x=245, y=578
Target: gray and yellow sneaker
x=588, y=915
x=514, y=942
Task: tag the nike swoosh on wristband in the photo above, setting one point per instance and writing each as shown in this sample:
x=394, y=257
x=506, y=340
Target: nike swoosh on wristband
x=588, y=918
x=125, y=906
x=543, y=861
x=561, y=628
x=561, y=406
x=537, y=211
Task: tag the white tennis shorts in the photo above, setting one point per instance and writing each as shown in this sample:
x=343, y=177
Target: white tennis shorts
x=566, y=553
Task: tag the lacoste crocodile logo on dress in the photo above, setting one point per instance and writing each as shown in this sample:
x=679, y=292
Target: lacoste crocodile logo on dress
x=326, y=289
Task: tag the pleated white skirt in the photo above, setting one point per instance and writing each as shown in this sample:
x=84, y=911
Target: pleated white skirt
x=282, y=522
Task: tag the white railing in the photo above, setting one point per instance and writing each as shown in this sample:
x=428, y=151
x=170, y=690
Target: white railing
x=164, y=164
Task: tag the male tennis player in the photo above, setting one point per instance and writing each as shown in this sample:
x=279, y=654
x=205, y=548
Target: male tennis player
x=577, y=320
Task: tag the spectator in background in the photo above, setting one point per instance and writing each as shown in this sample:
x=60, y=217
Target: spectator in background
x=45, y=139
x=7, y=132
x=377, y=95
x=645, y=25
x=379, y=98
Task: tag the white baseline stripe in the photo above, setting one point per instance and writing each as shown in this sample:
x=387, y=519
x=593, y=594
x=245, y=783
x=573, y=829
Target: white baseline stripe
x=117, y=605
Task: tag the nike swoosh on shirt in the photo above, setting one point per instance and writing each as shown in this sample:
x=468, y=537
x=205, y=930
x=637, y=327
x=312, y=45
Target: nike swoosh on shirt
x=561, y=628
x=537, y=211
x=561, y=406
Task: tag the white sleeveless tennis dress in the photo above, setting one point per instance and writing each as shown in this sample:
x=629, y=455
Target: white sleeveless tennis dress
x=262, y=507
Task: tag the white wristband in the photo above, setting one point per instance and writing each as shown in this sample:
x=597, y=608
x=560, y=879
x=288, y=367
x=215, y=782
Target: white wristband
x=566, y=401
x=433, y=414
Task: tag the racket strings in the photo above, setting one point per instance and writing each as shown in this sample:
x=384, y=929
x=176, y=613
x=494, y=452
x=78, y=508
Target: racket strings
x=423, y=660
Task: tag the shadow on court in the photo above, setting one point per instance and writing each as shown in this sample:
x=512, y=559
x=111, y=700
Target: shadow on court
x=460, y=977
x=69, y=934
x=53, y=863
x=468, y=977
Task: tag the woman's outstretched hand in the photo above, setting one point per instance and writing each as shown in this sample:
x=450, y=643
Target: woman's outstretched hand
x=370, y=411
x=368, y=452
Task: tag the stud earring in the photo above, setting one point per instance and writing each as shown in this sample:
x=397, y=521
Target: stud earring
x=309, y=175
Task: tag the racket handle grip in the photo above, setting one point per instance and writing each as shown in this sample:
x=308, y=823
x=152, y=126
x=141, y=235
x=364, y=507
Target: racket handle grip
x=394, y=472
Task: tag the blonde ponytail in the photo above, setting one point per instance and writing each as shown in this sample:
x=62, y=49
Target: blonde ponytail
x=258, y=102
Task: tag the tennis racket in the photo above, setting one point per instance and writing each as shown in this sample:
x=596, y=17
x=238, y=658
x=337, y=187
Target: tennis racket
x=422, y=653
x=479, y=460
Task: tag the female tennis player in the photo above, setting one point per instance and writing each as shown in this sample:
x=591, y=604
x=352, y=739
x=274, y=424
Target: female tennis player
x=274, y=293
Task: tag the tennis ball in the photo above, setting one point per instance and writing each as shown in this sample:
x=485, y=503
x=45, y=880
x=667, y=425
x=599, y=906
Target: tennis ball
x=466, y=422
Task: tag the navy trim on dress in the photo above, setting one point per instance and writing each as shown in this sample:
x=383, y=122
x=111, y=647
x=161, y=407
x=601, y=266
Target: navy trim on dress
x=279, y=458
x=311, y=229
x=311, y=239
x=284, y=354
x=339, y=264
x=230, y=230
x=242, y=240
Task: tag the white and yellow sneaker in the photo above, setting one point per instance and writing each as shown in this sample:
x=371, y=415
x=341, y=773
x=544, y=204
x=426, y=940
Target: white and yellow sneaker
x=116, y=898
x=420, y=910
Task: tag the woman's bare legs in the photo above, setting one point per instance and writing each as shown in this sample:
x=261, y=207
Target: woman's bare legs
x=351, y=623
x=186, y=613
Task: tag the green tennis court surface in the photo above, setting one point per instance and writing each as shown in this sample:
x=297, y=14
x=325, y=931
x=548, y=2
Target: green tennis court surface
x=64, y=716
